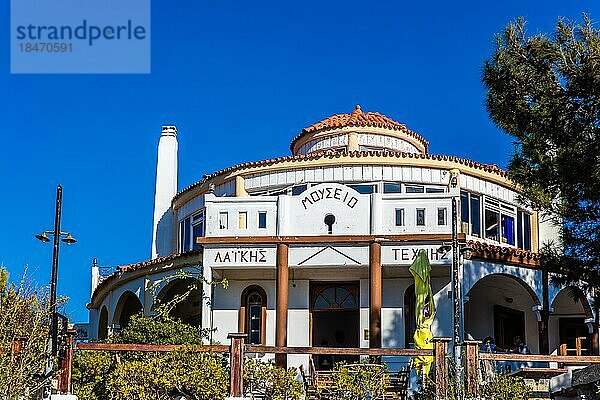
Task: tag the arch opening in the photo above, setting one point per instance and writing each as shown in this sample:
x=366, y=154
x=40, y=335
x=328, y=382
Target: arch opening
x=128, y=306
x=567, y=321
x=410, y=319
x=103, y=324
x=183, y=297
x=500, y=305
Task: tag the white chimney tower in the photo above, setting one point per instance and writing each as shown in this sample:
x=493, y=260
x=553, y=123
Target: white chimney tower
x=166, y=189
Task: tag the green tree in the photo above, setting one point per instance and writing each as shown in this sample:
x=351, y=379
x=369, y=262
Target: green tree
x=544, y=91
x=25, y=322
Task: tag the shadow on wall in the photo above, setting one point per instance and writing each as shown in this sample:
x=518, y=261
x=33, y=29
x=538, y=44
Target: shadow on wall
x=394, y=337
x=164, y=234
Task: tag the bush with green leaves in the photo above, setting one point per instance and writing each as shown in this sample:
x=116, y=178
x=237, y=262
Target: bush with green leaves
x=184, y=372
x=504, y=387
x=91, y=370
x=500, y=387
x=271, y=382
x=359, y=381
x=100, y=375
x=161, y=329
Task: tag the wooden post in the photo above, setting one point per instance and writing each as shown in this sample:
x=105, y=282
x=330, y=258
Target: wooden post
x=472, y=368
x=578, y=345
x=375, y=295
x=15, y=349
x=67, y=364
x=281, y=316
x=595, y=345
x=236, y=363
x=563, y=349
x=440, y=367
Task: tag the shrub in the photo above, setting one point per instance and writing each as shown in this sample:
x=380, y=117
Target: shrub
x=359, y=381
x=99, y=375
x=506, y=388
x=272, y=382
x=501, y=387
x=187, y=373
x=91, y=370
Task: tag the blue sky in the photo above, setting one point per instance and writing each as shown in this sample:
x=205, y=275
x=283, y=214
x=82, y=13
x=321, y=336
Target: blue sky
x=229, y=75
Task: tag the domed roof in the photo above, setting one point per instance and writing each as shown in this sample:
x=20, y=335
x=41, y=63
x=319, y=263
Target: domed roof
x=358, y=118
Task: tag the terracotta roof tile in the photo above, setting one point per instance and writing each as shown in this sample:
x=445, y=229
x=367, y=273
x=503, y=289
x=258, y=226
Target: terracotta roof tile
x=503, y=253
x=358, y=118
x=119, y=270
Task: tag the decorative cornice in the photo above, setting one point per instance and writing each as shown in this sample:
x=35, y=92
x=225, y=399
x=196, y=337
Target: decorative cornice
x=332, y=156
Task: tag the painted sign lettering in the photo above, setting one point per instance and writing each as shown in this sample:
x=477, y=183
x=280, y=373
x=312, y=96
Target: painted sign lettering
x=410, y=253
x=405, y=255
x=334, y=193
x=239, y=256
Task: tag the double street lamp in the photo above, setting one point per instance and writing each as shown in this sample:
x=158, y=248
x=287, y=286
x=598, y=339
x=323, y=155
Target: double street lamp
x=460, y=252
x=67, y=238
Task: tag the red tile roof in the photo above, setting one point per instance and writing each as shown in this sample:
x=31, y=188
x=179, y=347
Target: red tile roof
x=358, y=118
x=510, y=255
x=119, y=270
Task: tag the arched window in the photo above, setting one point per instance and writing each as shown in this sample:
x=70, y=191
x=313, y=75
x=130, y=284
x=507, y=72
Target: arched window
x=253, y=313
x=334, y=298
x=410, y=320
x=128, y=306
x=103, y=324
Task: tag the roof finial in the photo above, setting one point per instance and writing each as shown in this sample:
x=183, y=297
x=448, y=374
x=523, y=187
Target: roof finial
x=357, y=110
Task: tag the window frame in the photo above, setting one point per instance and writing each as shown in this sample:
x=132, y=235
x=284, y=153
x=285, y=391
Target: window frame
x=399, y=212
x=243, y=222
x=265, y=214
x=245, y=313
x=198, y=219
x=424, y=210
x=221, y=215
x=444, y=216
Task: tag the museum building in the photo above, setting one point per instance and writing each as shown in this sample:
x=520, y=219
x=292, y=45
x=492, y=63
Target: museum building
x=315, y=247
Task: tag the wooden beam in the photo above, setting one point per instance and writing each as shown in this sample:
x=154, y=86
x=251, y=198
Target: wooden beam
x=375, y=295
x=315, y=239
x=282, y=297
x=352, y=351
x=540, y=358
x=147, y=347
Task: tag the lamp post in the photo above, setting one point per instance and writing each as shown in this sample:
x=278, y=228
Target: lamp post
x=68, y=239
x=460, y=251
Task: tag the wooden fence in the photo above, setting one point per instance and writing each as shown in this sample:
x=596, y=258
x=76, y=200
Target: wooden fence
x=237, y=349
x=472, y=359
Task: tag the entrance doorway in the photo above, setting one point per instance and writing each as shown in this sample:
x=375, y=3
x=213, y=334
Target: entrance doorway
x=569, y=330
x=334, y=308
x=508, y=324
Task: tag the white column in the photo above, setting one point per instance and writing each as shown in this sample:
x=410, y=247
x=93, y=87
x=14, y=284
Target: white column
x=166, y=188
x=207, y=294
